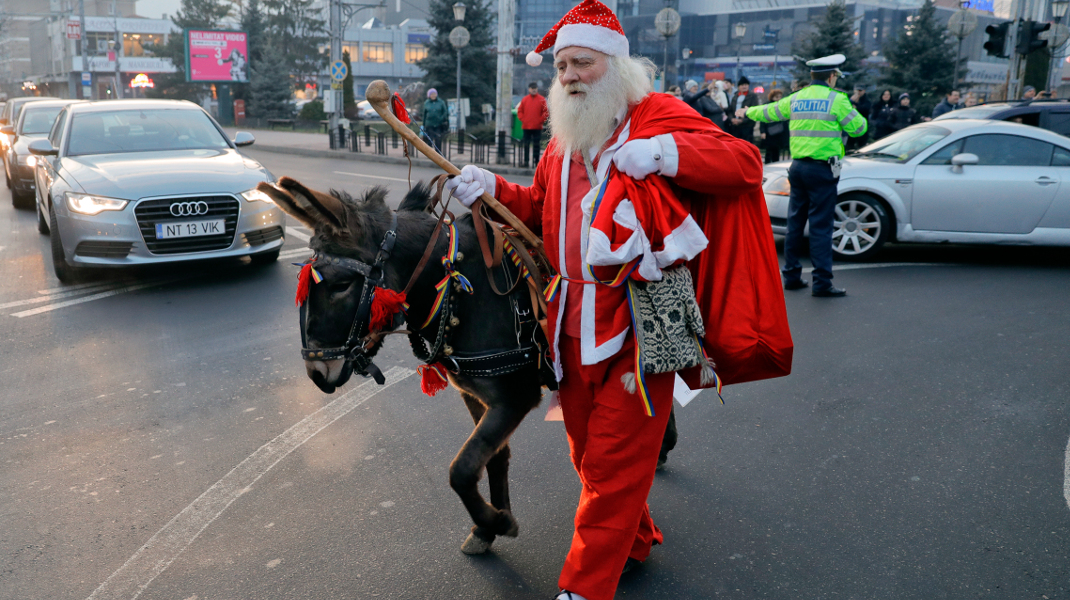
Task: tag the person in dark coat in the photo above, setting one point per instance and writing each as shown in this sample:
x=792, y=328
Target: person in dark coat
x=861, y=102
x=741, y=127
x=775, y=136
x=700, y=100
x=903, y=116
x=948, y=104
x=881, y=114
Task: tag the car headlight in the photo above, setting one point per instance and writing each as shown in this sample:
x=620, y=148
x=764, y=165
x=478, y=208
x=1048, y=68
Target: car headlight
x=255, y=195
x=29, y=161
x=779, y=186
x=92, y=205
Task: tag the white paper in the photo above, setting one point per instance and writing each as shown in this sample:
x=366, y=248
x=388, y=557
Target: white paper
x=682, y=393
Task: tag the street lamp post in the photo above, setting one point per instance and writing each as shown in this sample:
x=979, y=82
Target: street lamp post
x=459, y=38
x=741, y=30
x=1057, y=38
x=961, y=25
x=667, y=23
x=684, y=54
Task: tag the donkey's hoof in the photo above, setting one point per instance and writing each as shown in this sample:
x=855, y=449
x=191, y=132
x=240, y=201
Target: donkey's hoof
x=475, y=545
x=507, y=524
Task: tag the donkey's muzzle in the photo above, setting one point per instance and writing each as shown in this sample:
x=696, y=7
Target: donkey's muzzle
x=329, y=375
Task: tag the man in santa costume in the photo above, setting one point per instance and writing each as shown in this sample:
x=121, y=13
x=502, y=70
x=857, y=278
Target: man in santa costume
x=603, y=114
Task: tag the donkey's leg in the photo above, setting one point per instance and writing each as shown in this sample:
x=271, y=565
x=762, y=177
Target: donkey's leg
x=488, y=438
x=497, y=466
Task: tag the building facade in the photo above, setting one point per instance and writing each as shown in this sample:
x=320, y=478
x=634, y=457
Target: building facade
x=387, y=52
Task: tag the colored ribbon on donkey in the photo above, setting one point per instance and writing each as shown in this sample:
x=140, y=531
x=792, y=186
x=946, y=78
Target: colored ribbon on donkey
x=448, y=260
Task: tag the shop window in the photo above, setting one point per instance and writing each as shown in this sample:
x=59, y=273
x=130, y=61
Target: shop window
x=142, y=44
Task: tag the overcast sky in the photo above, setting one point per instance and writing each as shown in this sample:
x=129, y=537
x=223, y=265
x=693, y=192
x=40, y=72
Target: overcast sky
x=154, y=9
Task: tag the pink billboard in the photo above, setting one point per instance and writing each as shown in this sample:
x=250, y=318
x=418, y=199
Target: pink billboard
x=217, y=56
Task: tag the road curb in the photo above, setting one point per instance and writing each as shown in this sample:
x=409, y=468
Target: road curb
x=363, y=157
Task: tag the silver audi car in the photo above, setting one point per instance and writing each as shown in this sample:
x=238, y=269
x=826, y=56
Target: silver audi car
x=131, y=182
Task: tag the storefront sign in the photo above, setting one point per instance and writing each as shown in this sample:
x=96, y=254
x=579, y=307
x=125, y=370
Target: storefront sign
x=74, y=30
x=141, y=81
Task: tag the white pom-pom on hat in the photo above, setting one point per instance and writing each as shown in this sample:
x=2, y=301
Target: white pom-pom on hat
x=533, y=59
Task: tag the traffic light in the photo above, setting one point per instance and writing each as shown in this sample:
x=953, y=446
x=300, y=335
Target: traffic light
x=1029, y=36
x=997, y=39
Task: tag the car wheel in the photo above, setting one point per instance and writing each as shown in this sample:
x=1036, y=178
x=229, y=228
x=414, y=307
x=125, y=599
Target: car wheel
x=7, y=176
x=265, y=258
x=859, y=227
x=64, y=272
x=19, y=199
x=42, y=222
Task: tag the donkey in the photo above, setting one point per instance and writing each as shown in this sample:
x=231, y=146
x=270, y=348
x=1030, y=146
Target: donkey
x=498, y=391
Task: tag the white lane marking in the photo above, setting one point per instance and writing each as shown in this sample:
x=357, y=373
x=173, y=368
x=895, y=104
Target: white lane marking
x=297, y=233
x=1066, y=475
x=297, y=252
x=163, y=548
x=372, y=176
x=40, y=299
x=81, y=286
x=84, y=299
x=836, y=268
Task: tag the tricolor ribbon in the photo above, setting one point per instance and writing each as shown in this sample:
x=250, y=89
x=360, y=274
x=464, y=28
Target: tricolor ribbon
x=452, y=250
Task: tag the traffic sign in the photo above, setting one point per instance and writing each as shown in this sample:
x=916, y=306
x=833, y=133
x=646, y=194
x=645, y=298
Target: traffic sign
x=74, y=30
x=339, y=70
x=87, y=78
x=336, y=85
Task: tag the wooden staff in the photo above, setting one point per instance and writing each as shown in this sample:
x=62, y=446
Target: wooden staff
x=378, y=95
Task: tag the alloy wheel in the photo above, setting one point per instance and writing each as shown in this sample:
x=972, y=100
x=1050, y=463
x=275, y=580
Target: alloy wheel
x=857, y=227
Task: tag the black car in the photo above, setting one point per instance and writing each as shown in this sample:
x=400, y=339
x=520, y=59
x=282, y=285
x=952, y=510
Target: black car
x=1053, y=115
x=34, y=123
x=10, y=115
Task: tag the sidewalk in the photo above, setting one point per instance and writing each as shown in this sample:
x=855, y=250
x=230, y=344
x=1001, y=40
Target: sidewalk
x=318, y=145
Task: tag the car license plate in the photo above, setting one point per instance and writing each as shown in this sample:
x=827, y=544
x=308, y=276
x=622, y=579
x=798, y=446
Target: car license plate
x=189, y=229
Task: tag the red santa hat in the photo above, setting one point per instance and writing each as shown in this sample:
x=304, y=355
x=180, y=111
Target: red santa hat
x=590, y=24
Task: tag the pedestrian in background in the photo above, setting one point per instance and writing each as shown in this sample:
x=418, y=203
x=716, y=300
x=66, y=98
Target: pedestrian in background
x=703, y=104
x=742, y=127
x=880, y=116
x=436, y=119
x=948, y=104
x=1029, y=93
x=532, y=113
x=775, y=136
x=719, y=96
x=864, y=107
x=675, y=92
x=818, y=117
x=970, y=100
x=903, y=116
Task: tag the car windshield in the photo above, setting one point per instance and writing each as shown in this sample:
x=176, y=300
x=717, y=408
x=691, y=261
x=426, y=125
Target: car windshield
x=38, y=120
x=974, y=112
x=903, y=145
x=142, y=130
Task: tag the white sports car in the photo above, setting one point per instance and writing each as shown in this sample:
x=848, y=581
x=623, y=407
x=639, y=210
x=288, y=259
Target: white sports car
x=960, y=181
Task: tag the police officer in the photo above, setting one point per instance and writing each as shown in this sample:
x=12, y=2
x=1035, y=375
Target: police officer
x=819, y=115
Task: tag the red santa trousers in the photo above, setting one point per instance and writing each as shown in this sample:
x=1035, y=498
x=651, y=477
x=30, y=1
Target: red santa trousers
x=615, y=451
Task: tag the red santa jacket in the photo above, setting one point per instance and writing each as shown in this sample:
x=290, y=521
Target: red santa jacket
x=718, y=178
x=532, y=112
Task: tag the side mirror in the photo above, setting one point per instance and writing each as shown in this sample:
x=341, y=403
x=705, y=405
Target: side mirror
x=42, y=148
x=243, y=138
x=8, y=129
x=959, y=160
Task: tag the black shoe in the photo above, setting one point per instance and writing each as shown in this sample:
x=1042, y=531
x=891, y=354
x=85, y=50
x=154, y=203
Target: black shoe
x=795, y=284
x=832, y=292
x=630, y=565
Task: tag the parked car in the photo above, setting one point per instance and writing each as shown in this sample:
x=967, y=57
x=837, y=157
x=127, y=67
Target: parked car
x=133, y=182
x=366, y=112
x=1053, y=115
x=10, y=115
x=34, y=123
x=955, y=180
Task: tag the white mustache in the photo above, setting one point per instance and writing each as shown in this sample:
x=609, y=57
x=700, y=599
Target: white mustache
x=577, y=86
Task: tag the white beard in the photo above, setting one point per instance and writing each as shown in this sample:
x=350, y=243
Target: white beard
x=585, y=121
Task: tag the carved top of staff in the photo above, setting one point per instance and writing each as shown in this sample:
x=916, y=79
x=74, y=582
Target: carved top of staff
x=378, y=92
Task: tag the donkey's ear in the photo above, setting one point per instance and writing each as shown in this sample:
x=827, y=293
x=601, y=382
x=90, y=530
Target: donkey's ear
x=418, y=198
x=286, y=202
x=326, y=209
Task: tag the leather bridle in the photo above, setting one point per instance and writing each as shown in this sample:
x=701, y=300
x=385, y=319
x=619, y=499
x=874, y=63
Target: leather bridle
x=354, y=349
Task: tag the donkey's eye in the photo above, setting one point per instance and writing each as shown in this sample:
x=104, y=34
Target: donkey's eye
x=339, y=287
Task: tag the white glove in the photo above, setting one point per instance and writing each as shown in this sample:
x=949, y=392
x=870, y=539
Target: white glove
x=639, y=158
x=470, y=184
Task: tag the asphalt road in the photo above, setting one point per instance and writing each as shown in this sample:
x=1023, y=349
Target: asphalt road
x=164, y=441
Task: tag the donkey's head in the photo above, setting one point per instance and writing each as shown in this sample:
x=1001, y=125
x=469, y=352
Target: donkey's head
x=348, y=236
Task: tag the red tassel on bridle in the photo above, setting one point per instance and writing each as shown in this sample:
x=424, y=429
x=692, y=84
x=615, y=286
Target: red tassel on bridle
x=397, y=105
x=385, y=305
x=304, y=282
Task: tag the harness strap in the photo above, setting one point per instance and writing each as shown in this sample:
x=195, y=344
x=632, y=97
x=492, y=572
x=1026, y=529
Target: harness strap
x=492, y=256
x=440, y=182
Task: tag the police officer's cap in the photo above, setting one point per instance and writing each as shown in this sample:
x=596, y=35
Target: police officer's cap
x=827, y=64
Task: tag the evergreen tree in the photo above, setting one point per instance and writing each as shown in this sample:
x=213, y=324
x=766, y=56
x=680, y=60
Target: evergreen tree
x=479, y=68
x=831, y=33
x=298, y=33
x=192, y=14
x=269, y=85
x=349, y=102
x=921, y=60
x=252, y=23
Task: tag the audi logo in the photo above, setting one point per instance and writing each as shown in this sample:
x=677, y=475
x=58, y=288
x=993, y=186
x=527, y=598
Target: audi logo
x=189, y=209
